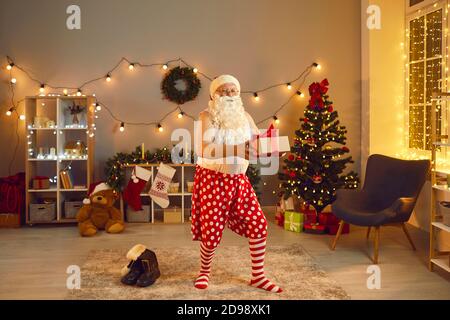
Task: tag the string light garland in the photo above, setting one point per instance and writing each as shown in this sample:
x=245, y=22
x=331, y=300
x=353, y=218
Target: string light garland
x=132, y=66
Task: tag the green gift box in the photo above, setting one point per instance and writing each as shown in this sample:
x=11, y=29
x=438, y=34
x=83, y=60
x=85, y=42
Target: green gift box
x=293, y=221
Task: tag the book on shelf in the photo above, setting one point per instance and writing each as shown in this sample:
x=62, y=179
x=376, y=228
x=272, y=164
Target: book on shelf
x=62, y=178
x=66, y=180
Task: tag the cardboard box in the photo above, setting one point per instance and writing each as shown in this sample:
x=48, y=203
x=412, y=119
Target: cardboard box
x=172, y=215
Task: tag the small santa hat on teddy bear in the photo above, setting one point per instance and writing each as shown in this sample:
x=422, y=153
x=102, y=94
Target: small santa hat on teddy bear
x=96, y=188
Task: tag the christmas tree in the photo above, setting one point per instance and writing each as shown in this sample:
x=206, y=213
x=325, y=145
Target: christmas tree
x=314, y=169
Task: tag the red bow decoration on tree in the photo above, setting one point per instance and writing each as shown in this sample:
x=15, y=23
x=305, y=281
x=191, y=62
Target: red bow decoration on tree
x=317, y=91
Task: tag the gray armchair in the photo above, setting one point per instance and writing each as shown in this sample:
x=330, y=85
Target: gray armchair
x=388, y=197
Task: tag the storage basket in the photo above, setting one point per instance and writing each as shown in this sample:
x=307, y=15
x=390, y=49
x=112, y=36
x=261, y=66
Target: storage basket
x=174, y=187
x=444, y=210
x=42, y=212
x=71, y=209
x=138, y=216
x=172, y=215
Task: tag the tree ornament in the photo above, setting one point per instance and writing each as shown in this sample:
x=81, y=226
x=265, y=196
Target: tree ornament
x=317, y=179
x=311, y=142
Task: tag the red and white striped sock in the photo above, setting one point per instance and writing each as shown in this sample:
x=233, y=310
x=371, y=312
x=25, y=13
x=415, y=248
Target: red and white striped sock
x=206, y=255
x=259, y=280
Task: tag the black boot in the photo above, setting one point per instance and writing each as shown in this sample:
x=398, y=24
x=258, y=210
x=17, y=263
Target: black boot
x=150, y=269
x=135, y=271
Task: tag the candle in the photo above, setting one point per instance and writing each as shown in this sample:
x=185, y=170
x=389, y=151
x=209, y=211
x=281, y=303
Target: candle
x=142, y=151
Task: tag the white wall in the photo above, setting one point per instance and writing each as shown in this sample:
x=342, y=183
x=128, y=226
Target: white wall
x=260, y=41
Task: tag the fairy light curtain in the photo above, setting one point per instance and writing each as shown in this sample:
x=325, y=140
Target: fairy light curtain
x=426, y=72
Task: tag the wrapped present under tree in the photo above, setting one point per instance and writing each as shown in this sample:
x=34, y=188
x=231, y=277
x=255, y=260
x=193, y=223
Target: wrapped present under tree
x=293, y=221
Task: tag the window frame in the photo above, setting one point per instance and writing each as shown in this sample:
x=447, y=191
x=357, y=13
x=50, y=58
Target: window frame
x=422, y=10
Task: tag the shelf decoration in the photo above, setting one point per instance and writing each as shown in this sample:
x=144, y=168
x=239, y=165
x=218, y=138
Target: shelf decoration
x=75, y=112
x=75, y=149
x=115, y=170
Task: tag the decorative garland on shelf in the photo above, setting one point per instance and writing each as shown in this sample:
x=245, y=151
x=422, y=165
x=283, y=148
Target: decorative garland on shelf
x=171, y=92
x=115, y=166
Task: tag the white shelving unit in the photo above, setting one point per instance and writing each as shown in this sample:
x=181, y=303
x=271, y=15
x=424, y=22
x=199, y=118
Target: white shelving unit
x=437, y=258
x=180, y=175
x=55, y=109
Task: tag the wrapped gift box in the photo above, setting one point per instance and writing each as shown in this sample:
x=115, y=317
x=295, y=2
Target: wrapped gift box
x=315, y=228
x=310, y=216
x=41, y=183
x=328, y=219
x=332, y=230
x=279, y=217
x=293, y=221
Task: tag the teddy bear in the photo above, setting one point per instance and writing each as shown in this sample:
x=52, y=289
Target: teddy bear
x=98, y=212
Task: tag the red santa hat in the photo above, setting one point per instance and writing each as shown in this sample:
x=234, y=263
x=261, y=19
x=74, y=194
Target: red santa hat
x=96, y=188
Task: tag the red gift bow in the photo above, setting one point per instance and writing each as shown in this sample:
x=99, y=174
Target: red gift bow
x=316, y=91
x=268, y=134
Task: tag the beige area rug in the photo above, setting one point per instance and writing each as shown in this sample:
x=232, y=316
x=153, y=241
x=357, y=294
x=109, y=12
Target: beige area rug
x=289, y=267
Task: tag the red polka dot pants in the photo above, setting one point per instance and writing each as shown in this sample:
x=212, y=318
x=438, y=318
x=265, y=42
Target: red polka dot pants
x=221, y=200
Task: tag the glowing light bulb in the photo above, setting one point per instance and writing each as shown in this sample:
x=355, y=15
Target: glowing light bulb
x=165, y=66
x=108, y=77
x=289, y=86
x=122, y=127
x=317, y=66
x=277, y=121
x=255, y=95
x=195, y=70
x=22, y=117
x=65, y=92
x=13, y=80
x=42, y=88
x=9, y=112
x=160, y=128
x=10, y=66
x=98, y=106
x=180, y=115
x=131, y=66
x=79, y=92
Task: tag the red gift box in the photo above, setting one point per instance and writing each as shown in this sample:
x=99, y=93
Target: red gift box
x=41, y=182
x=314, y=228
x=279, y=217
x=310, y=216
x=332, y=230
x=328, y=219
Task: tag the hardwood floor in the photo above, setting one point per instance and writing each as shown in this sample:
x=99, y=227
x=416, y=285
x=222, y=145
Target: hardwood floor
x=33, y=261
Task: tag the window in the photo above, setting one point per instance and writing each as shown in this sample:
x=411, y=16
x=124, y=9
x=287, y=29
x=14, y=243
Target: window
x=425, y=75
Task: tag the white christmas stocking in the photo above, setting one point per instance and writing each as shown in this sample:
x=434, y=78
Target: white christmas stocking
x=160, y=185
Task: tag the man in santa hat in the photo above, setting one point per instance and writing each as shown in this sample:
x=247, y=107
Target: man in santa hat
x=222, y=194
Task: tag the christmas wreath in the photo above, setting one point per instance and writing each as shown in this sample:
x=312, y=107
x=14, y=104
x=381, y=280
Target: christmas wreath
x=169, y=85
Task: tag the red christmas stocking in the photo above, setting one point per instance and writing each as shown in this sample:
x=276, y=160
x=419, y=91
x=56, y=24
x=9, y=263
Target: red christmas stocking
x=132, y=192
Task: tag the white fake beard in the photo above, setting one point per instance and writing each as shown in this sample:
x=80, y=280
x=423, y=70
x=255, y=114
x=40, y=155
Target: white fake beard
x=229, y=118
